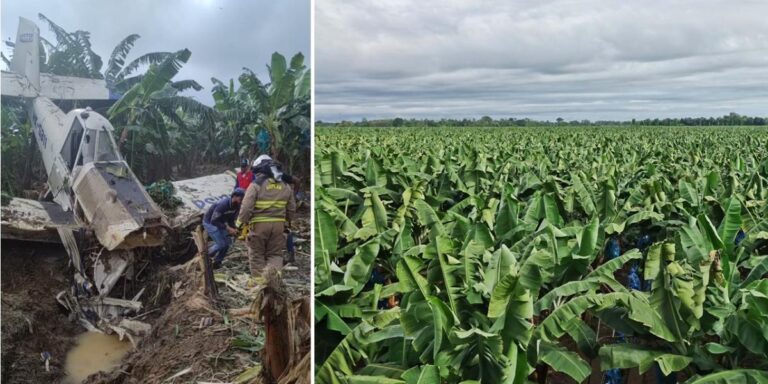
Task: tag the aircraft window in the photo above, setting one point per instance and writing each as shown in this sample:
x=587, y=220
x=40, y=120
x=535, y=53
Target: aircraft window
x=69, y=151
x=105, y=151
x=89, y=146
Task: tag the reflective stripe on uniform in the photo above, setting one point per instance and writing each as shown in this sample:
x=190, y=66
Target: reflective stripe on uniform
x=267, y=220
x=264, y=204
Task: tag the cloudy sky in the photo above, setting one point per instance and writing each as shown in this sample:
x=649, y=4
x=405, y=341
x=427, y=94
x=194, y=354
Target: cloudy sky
x=223, y=35
x=590, y=59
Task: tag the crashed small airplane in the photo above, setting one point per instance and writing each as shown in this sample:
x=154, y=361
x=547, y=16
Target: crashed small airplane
x=94, y=204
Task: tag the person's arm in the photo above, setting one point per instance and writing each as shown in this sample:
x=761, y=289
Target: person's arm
x=246, y=207
x=230, y=226
x=219, y=217
x=232, y=217
x=208, y=214
x=237, y=183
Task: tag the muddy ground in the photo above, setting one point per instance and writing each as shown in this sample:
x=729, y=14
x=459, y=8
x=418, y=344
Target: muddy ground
x=32, y=321
x=180, y=344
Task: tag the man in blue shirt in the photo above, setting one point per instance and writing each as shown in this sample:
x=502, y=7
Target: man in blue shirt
x=219, y=222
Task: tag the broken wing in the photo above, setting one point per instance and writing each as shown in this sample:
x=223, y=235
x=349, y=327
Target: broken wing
x=199, y=194
x=32, y=220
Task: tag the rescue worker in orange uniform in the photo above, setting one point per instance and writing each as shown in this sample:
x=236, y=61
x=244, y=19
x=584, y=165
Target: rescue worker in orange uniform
x=267, y=209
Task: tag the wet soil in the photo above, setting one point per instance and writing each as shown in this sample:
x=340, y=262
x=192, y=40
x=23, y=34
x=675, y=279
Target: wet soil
x=182, y=344
x=33, y=322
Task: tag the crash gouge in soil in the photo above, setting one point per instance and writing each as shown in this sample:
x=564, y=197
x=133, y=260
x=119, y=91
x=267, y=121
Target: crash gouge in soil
x=93, y=201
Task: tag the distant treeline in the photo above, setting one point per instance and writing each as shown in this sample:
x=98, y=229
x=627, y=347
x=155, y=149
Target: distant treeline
x=732, y=119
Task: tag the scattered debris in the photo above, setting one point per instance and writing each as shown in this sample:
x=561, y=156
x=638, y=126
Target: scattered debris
x=180, y=373
x=228, y=348
x=205, y=322
x=46, y=356
x=232, y=348
x=249, y=375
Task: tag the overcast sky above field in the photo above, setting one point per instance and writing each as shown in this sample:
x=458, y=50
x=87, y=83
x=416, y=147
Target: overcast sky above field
x=600, y=59
x=223, y=35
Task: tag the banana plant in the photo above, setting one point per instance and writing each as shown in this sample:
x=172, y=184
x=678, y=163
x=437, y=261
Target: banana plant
x=281, y=105
x=489, y=246
x=153, y=110
x=702, y=295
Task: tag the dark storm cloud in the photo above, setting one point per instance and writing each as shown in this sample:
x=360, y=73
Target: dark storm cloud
x=573, y=59
x=223, y=35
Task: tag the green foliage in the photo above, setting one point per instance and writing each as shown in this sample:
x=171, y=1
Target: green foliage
x=280, y=107
x=164, y=134
x=731, y=119
x=163, y=192
x=248, y=342
x=6, y=199
x=489, y=244
x=16, y=138
x=72, y=55
x=165, y=128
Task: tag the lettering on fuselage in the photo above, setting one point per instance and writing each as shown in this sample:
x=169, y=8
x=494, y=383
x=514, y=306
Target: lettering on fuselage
x=200, y=204
x=41, y=135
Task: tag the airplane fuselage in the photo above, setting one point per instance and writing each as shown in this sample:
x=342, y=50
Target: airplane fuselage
x=87, y=175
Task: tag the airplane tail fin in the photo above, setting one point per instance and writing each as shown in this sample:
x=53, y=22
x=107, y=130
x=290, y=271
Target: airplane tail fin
x=26, y=53
x=25, y=79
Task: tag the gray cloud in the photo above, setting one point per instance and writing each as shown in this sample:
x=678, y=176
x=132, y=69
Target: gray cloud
x=597, y=59
x=223, y=35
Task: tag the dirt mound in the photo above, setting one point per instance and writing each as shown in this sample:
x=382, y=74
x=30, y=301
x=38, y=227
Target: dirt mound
x=33, y=322
x=178, y=341
x=191, y=338
x=194, y=339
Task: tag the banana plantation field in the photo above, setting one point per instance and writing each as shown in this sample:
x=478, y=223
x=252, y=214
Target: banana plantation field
x=509, y=255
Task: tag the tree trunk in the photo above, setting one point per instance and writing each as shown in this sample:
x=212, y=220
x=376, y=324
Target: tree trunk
x=123, y=138
x=287, y=325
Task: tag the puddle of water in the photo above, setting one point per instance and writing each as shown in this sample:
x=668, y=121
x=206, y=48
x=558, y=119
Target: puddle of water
x=94, y=352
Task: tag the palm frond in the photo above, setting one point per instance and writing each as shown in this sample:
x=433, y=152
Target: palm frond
x=252, y=89
x=186, y=104
x=92, y=61
x=146, y=59
x=126, y=84
x=73, y=54
x=62, y=36
x=47, y=44
x=117, y=58
x=184, y=85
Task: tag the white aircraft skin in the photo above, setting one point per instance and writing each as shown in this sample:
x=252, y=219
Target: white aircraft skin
x=92, y=187
x=86, y=173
